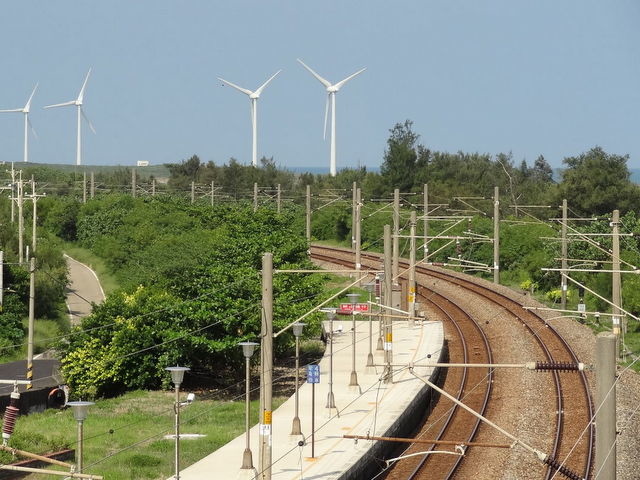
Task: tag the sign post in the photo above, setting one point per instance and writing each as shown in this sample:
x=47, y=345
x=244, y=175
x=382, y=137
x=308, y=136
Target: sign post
x=313, y=377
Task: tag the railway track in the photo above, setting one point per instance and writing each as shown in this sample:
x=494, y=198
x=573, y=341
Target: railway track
x=570, y=406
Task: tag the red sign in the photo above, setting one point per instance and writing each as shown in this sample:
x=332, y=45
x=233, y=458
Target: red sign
x=359, y=307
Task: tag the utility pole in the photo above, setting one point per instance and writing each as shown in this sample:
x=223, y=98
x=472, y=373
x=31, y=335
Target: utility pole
x=133, y=183
x=1, y=280
x=354, y=201
x=616, y=297
x=278, y=199
x=496, y=235
x=193, y=192
x=308, y=218
x=563, y=279
x=84, y=186
x=426, y=222
x=213, y=189
x=412, y=270
x=396, y=239
x=255, y=197
x=358, y=239
x=93, y=185
x=606, y=406
x=34, y=198
x=13, y=193
x=32, y=302
x=388, y=293
x=153, y=187
x=20, y=220
x=266, y=364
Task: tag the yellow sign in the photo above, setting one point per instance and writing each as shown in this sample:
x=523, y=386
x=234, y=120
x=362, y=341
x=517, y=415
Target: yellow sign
x=389, y=337
x=267, y=417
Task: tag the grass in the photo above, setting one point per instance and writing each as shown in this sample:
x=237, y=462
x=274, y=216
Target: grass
x=107, y=279
x=124, y=435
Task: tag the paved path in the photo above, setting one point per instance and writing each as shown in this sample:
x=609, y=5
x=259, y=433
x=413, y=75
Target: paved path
x=374, y=411
x=84, y=289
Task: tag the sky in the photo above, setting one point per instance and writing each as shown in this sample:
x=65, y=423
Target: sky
x=549, y=77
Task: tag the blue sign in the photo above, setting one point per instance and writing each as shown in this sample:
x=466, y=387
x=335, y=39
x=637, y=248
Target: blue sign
x=313, y=373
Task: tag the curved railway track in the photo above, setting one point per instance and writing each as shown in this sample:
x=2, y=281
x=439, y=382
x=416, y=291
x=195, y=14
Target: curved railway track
x=573, y=440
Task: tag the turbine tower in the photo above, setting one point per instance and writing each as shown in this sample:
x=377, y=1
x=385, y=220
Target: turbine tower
x=253, y=96
x=332, y=89
x=27, y=123
x=78, y=103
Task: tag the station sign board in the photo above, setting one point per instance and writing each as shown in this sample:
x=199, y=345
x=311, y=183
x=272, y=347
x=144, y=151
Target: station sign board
x=358, y=307
x=313, y=373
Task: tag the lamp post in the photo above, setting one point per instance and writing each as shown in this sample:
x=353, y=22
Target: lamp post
x=297, y=332
x=353, y=298
x=247, y=349
x=80, y=411
x=177, y=375
x=370, y=365
x=331, y=403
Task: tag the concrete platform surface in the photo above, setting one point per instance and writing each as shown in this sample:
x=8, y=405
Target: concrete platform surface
x=372, y=411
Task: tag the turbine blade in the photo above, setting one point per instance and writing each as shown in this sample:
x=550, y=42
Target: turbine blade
x=84, y=85
x=72, y=102
x=326, y=115
x=33, y=130
x=11, y=110
x=326, y=83
x=87, y=120
x=243, y=90
x=28, y=105
x=262, y=87
x=342, y=82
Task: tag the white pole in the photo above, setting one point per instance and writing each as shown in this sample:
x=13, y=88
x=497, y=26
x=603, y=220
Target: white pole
x=79, y=138
x=254, y=131
x=26, y=137
x=333, y=134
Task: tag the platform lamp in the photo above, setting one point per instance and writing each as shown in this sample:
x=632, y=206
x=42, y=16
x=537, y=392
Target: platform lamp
x=331, y=403
x=353, y=298
x=80, y=412
x=247, y=350
x=297, y=332
x=370, y=287
x=177, y=375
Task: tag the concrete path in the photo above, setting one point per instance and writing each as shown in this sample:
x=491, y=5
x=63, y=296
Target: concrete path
x=83, y=290
x=374, y=411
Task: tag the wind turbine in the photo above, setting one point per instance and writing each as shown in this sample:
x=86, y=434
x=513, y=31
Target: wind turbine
x=27, y=123
x=332, y=89
x=254, y=111
x=78, y=103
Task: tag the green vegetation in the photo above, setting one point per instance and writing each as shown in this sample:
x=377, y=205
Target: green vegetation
x=190, y=288
x=139, y=419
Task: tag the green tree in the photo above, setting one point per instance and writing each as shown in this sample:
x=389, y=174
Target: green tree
x=597, y=182
x=399, y=164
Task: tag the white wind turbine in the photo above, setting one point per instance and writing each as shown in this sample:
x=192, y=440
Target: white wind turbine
x=78, y=103
x=27, y=123
x=332, y=89
x=254, y=112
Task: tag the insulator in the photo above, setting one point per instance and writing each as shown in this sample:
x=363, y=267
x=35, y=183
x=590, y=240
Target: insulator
x=557, y=466
x=10, y=416
x=557, y=366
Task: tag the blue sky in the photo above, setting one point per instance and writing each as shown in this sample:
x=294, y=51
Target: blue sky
x=546, y=77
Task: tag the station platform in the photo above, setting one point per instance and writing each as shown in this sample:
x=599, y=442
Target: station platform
x=376, y=408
